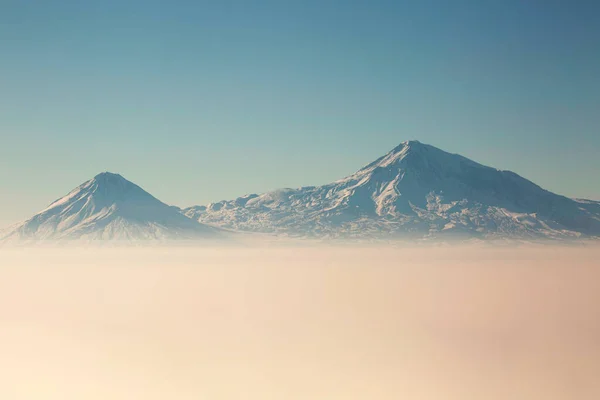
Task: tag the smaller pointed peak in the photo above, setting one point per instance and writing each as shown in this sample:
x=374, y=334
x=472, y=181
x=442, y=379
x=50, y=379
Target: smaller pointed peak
x=111, y=179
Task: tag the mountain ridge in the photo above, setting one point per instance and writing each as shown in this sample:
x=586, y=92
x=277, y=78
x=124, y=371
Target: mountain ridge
x=413, y=190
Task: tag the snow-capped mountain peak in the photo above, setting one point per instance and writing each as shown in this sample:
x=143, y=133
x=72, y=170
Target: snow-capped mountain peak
x=416, y=190
x=109, y=206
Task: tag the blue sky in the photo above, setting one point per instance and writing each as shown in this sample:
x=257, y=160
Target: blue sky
x=198, y=101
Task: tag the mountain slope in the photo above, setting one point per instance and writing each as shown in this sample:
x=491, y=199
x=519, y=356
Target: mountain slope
x=415, y=190
x=109, y=207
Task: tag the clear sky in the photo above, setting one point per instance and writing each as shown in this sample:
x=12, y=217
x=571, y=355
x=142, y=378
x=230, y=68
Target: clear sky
x=198, y=101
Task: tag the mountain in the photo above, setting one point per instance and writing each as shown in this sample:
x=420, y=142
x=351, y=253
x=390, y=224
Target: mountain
x=109, y=207
x=414, y=191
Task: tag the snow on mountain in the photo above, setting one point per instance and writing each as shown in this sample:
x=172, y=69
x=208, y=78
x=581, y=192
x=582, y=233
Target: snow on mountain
x=414, y=191
x=109, y=207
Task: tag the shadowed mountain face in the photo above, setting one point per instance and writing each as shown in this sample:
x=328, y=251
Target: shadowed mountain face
x=109, y=207
x=415, y=190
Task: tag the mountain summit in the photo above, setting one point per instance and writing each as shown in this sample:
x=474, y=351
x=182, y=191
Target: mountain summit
x=109, y=207
x=416, y=190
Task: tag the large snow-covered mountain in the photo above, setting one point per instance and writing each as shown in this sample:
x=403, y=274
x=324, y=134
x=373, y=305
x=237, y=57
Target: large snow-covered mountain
x=109, y=207
x=414, y=191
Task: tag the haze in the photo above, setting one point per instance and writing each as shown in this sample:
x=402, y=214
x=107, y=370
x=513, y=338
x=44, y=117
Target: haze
x=300, y=322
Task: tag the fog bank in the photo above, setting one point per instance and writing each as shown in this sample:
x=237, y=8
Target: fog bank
x=303, y=322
